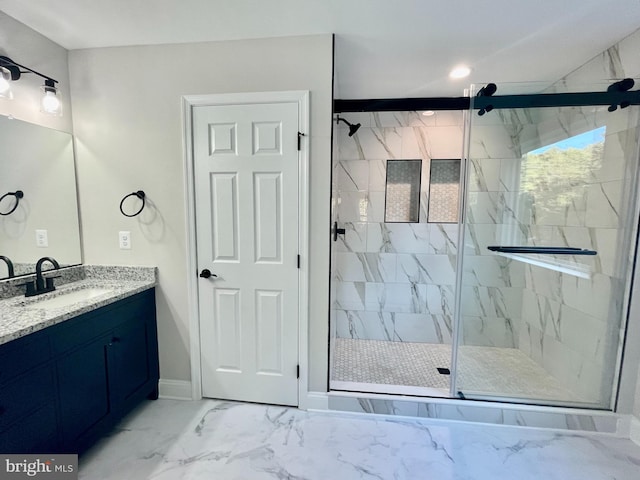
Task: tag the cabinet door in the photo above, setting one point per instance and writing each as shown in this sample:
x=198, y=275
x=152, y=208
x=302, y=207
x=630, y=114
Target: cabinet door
x=27, y=412
x=134, y=368
x=131, y=367
x=83, y=386
x=35, y=433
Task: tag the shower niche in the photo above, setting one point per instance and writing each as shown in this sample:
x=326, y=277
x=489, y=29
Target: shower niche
x=422, y=306
x=402, y=191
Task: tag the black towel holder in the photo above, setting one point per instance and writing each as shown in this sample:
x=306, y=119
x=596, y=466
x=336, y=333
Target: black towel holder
x=140, y=194
x=18, y=194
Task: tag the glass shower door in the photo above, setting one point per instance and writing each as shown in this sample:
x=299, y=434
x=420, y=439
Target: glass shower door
x=549, y=221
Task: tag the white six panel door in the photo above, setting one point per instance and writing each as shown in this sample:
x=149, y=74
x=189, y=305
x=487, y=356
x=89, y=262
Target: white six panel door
x=246, y=186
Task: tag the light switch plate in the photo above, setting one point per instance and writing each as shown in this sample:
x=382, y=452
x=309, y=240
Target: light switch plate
x=42, y=238
x=125, y=240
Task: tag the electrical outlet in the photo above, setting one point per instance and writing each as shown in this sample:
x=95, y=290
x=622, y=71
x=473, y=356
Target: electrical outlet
x=42, y=238
x=125, y=240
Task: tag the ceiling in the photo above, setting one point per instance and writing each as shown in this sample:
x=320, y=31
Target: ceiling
x=384, y=48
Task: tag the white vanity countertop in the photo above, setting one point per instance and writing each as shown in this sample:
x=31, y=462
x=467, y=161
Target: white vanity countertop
x=20, y=316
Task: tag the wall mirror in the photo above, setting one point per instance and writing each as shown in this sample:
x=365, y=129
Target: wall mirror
x=42, y=218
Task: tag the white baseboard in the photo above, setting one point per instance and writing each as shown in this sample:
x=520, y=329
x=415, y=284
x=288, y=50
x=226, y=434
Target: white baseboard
x=623, y=426
x=175, y=389
x=635, y=430
x=315, y=401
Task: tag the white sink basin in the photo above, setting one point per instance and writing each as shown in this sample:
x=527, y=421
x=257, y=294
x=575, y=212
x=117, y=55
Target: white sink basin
x=66, y=299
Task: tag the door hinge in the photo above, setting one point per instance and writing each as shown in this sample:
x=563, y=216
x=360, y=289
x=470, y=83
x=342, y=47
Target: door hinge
x=298, y=261
x=298, y=371
x=300, y=134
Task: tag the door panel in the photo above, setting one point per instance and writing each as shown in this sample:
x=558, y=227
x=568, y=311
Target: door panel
x=224, y=225
x=246, y=182
x=269, y=325
x=268, y=208
x=229, y=352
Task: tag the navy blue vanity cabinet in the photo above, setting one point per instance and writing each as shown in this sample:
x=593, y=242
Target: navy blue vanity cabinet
x=65, y=386
x=83, y=392
x=107, y=363
x=28, y=421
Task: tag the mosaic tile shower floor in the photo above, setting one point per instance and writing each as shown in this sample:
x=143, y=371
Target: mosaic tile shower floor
x=486, y=370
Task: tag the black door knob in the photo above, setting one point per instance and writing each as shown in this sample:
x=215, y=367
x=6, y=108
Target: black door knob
x=206, y=273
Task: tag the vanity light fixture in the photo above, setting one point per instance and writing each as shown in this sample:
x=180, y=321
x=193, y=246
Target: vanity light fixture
x=11, y=71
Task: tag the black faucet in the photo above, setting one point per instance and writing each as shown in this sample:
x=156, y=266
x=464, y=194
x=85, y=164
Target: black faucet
x=9, y=265
x=42, y=285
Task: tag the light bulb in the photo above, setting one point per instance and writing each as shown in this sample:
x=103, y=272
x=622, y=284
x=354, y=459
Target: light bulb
x=50, y=103
x=5, y=86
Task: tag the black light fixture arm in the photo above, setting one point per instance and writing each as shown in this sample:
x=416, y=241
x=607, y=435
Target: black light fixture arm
x=17, y=69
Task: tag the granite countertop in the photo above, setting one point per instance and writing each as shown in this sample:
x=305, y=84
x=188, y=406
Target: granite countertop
x=20, y=316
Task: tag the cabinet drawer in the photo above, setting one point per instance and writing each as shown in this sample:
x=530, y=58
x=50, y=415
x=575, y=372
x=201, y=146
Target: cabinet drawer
x=20, y=355
x=84, y=328
x=26, y=394
x=78, y=331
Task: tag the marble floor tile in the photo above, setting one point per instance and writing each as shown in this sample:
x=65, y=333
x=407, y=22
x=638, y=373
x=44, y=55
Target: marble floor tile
x=211, y=439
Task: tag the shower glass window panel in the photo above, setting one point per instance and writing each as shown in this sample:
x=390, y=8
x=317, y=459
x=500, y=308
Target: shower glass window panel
x=444, y=191
x=402, y=191
x=561, y=177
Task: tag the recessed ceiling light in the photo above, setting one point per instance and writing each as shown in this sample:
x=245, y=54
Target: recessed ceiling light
x=428, y=113
x=460, y=71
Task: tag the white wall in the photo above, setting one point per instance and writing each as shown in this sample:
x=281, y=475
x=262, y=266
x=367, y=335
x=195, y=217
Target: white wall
x=29, y=48
x=128, y=127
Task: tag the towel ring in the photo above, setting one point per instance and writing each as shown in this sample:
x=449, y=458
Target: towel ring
x=140, y=194
x=18, y=194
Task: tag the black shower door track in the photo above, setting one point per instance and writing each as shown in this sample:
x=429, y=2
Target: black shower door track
x=578, y=99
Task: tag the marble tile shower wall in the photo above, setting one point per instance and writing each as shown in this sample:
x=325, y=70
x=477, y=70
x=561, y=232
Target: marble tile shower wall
x=568, y=325
x=491, y=285
x=572, y=324
x=394, y=281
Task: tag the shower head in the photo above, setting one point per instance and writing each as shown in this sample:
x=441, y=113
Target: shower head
x=352, y=128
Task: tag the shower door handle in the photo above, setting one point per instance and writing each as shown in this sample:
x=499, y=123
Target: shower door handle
x=337, y=231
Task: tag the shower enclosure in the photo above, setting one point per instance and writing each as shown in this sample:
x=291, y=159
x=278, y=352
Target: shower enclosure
x=486, y=253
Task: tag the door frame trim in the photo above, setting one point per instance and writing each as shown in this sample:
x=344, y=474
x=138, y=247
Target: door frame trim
x=301, y=97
